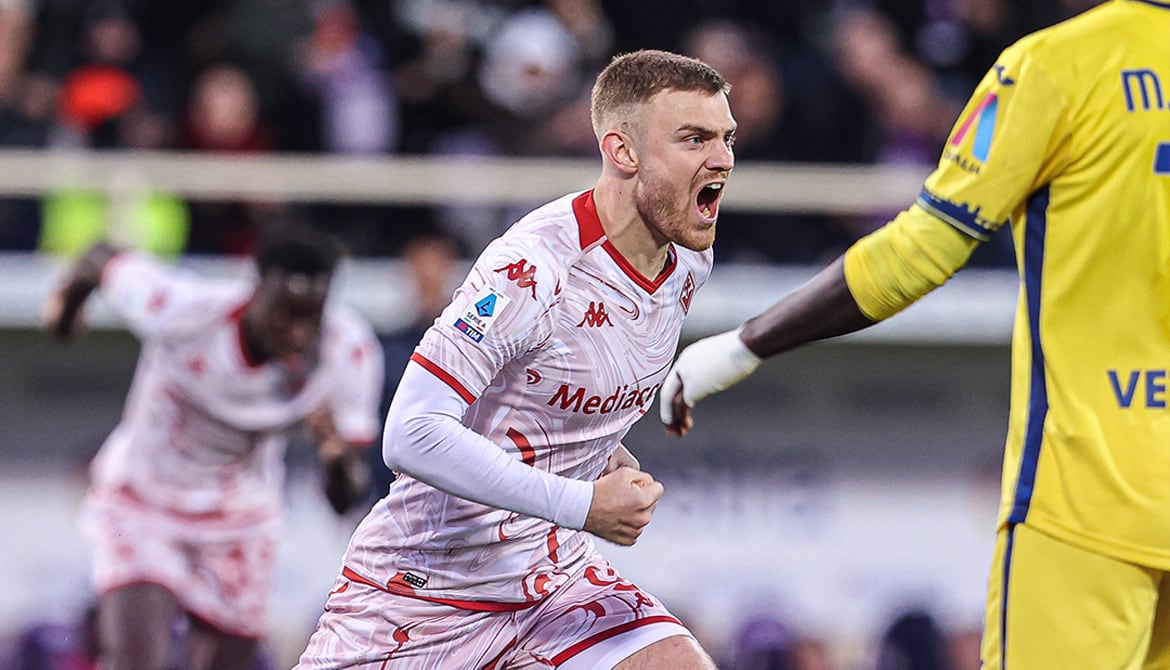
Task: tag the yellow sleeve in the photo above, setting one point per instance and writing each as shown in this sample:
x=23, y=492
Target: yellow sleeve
x=897, y=264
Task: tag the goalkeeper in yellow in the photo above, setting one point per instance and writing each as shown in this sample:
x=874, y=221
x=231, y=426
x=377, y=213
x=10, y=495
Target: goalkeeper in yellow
x=1067, y=140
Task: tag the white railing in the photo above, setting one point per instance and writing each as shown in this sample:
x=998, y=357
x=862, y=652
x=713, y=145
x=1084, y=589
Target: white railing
x=756, y=187
x=976, y=306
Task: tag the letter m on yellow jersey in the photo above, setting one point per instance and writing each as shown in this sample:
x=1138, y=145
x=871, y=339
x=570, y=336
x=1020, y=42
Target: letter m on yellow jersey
x=1143, y=91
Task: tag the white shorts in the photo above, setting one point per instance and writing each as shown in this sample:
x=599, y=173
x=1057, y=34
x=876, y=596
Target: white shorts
x=595, y=621
x=222, y=576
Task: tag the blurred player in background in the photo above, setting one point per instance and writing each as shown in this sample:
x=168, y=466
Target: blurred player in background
x=1068, y=138
x=506, y=427
x=185, y=501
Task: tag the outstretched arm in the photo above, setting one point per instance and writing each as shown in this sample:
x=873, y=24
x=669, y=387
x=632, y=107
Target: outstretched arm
x=877, y=277
x=819, y=309
x=63, y=307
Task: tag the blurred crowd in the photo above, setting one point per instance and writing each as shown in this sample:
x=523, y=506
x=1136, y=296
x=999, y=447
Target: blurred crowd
x=825, y=81
x=913, y=639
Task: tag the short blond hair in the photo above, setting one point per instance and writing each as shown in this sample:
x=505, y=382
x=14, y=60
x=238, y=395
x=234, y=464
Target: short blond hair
x=633, y=78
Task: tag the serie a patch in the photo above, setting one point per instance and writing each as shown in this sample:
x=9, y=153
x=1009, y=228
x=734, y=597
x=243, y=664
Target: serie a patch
x=480, y=314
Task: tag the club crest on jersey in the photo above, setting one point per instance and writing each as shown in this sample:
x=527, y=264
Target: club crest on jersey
x=688, y=292
x=480, y=314
x=522, y=273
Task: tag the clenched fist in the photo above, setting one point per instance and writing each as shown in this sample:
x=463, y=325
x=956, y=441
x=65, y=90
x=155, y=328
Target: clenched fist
x=623, y=502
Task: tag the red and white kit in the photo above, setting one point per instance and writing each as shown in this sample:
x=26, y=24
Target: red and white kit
x=186, y=491
x=551, y=349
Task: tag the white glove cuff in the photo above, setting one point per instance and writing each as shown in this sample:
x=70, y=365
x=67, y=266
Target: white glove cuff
x=723, y=361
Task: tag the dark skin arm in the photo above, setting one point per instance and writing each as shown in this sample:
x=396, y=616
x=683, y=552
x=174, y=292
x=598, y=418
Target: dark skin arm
x=346, y=476
x=346, y=480
x=820, y=309
x=63, y=307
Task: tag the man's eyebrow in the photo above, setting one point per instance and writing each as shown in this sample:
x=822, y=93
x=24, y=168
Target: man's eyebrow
x=698, y=130
x=704, y=131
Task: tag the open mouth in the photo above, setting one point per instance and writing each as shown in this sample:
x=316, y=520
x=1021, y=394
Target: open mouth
x=708, y=200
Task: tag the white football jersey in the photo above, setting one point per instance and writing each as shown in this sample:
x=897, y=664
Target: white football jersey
x=203, y=429
x=558, y=345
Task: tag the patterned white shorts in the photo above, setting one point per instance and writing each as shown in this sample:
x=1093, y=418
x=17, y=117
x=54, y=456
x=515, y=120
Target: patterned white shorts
x=223, y=577
x=595, y=621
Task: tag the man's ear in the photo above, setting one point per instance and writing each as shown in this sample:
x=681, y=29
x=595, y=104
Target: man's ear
x=619, y=150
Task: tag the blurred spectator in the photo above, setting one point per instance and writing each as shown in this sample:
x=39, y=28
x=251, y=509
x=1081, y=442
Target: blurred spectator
x=653, y=24
x=267, y=38
x=342, y=68
x=759, y=100
x=548, y=55
x=56, y=646
x=436, y=81
x=96, y=94
x=591, y=29
x=74, y=646
x=529, y=71
x=111, y=94
x=105, y=103
x=25, y=111
x=343, y=73
x=765, y=643
x=530, y=65
x=963, y=648
x=430, y=261
x=223, y=115
x=911, y=113
x=816, y=82
x=911, y=117
x=913, y=641
x=960, y=39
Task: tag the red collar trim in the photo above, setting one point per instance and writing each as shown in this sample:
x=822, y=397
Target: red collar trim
x=589, y=225
x=237, y=316
x=649, y=285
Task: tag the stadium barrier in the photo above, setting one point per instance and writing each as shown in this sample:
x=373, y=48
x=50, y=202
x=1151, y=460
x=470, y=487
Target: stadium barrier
x=975, y=307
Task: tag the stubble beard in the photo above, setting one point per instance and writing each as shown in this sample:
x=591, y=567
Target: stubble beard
x=657, y=202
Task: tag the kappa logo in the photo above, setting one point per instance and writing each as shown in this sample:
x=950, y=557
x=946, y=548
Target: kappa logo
x=688, y=292
x=357, y=353
x=595, y=316
x=197, y=366
x=158, y=300
x=522, y=273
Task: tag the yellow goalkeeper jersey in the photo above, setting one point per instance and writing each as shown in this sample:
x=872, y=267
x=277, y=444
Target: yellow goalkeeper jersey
x=1068, y=138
